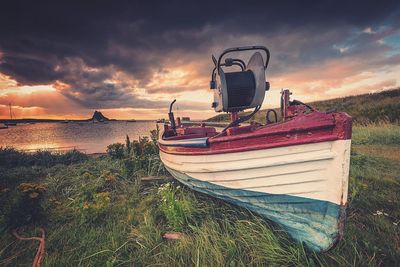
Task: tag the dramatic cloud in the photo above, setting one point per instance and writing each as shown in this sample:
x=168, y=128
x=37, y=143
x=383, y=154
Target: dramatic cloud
x=135, y=55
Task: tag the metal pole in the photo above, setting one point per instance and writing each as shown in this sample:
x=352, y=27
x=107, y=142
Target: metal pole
x=234, y=116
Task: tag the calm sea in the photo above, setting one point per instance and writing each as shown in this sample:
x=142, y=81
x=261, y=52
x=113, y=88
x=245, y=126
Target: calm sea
x=84, y=136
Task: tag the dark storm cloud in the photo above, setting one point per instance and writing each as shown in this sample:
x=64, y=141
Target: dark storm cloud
x=39, y=40
x=29, y=71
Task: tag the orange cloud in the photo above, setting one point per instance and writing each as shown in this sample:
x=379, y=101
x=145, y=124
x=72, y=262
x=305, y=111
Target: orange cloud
x=186, y=79
x=337, y=77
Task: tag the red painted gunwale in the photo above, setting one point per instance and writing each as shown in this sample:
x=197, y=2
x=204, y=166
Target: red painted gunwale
x=303, y=129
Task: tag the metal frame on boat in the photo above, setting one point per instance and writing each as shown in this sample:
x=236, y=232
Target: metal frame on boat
x=293, y=172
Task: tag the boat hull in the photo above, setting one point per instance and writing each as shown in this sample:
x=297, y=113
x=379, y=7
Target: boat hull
x=303, y=188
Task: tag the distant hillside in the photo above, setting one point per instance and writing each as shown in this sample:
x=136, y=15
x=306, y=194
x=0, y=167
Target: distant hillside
x=98, y=116
x=374, y=107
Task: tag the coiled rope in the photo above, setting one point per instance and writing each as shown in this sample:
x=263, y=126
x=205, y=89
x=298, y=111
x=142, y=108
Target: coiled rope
x=40, y=251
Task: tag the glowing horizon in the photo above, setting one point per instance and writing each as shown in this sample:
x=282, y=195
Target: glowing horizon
x=136, y=66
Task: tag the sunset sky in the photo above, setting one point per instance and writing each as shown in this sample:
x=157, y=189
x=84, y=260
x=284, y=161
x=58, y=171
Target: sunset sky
x=129, y=59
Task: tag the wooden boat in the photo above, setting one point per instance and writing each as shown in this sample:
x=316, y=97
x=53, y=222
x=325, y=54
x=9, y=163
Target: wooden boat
x=293, y=172
x=3, y=127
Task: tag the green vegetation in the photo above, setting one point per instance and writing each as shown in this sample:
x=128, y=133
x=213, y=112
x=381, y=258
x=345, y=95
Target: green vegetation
x=367, y=108
x=98, y=212
x=378, y=134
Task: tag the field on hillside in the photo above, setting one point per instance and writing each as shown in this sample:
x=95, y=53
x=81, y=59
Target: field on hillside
x=98, y=212
x=367, y=108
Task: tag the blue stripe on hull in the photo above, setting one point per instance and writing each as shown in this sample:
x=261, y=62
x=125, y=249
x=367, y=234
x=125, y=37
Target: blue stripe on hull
x=313, y=222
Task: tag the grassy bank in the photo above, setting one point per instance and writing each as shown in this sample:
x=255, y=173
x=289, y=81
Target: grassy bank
x=364, y=109
x=99, y=212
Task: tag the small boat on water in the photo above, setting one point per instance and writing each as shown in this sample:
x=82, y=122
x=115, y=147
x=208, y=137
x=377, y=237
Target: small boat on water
x=3, y=126
x=12, y=121
x=293, y=171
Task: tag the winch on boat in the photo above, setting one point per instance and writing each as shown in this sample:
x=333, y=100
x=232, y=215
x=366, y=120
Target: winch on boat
x=293, y=171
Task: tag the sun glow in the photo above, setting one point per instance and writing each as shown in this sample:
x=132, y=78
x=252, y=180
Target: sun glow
x=10, y=86
x=26, y=89
x=169, y=78
x=176, y=79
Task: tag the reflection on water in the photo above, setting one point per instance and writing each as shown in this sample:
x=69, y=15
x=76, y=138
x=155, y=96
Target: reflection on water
x=84, y=136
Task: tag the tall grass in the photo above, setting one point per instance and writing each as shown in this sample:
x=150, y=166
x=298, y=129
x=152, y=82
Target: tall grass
x=376, y=133
x=96, y=212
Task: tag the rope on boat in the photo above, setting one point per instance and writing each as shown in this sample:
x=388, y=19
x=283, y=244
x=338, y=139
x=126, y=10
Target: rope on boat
x=40, y=251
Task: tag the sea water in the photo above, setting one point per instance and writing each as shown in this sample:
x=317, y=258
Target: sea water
x=87, y=137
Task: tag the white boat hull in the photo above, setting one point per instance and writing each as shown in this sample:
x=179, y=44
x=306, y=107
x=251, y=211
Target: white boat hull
x=301, y=187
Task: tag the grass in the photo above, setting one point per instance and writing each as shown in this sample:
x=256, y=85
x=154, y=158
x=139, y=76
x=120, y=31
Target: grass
x=376, y=134
x=366, y=108
x=97, y=212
